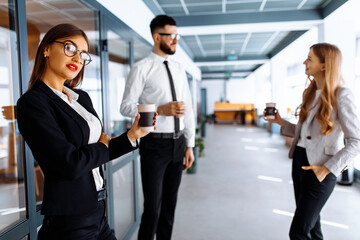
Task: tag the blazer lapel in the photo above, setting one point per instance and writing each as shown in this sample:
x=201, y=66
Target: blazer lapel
x=80, y=121
x=311, y=117
x=313, y=112
x=87, y=106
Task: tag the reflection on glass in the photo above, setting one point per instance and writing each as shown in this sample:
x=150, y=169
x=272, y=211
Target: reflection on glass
x=123, y=190
x=357, y=86
x=92, y=78
x=12, y=191
x=141, y=49
x=140, y=189
x=43, y=15
x=118, y=71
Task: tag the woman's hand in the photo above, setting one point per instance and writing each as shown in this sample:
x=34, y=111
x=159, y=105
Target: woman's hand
x=136, y=131
x=105, y=139
x=320, y=171
x=277, y=118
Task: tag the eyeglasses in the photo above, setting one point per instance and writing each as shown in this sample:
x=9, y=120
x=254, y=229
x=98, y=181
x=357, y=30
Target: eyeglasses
x=172, y=35
x=71, y=50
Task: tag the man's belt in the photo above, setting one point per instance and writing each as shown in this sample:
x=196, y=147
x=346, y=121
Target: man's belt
x=166, y=135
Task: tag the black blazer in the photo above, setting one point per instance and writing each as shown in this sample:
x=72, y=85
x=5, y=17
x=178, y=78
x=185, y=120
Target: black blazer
x=58, y=138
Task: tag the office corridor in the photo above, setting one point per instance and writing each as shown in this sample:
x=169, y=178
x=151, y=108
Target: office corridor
x=243, y=190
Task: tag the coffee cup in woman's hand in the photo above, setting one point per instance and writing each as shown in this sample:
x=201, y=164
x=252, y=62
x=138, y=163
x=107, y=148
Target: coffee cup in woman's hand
x=137, y=131
x=147, y=116
x=270, y=110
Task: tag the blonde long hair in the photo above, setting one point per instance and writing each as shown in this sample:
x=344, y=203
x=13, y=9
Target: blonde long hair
x=331, y=56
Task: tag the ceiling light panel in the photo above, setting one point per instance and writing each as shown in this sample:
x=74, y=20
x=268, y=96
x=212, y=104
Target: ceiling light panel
x=256, y=42
x=286, y=4
x=174, y=11
x=279, y=38
x=169, y=2
x=243, y=7
x=207, y=9
x=189, y=2
x=235, y=37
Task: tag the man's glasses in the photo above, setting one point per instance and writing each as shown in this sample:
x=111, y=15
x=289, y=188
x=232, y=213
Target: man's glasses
x=172, y=35
x=71, y=50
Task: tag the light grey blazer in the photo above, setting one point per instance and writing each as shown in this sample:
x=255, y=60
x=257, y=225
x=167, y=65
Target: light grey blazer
x=330, y=150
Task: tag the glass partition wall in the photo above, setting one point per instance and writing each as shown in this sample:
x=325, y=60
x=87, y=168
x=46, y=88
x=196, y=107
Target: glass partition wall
x=12, y=182
x=45, y=14
x=121, y=179
x=123, y=173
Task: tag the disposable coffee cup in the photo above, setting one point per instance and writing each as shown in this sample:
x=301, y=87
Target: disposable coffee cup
x=147, y=114
x=270, y=110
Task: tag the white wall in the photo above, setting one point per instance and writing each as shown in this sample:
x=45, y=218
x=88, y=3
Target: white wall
x=240, y=91
x=340, y=29
x=291, y=94
x=214, y=92
x=138, y=16
x=235, y=91
x=282, y=79
x=262, y=83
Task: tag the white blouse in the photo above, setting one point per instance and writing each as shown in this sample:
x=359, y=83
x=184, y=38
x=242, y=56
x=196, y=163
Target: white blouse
x=304, y=126
x=93, y=122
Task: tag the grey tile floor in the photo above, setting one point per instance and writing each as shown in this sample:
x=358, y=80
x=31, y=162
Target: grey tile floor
x=243, y=191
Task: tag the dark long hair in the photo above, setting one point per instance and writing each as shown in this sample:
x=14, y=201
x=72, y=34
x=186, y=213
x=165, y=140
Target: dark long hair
x=59, y=31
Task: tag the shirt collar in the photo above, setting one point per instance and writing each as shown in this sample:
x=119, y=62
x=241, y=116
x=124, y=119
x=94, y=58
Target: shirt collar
x=159, y=58
x=72, y=95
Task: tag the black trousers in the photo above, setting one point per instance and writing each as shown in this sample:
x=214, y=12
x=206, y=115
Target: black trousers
x=161, y=170
x=91, y=226
x=310, y=195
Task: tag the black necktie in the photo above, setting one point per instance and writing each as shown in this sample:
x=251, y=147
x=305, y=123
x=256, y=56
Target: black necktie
x=173, y=93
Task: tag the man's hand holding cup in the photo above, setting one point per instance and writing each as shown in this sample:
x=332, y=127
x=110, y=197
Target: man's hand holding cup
x=172, y=109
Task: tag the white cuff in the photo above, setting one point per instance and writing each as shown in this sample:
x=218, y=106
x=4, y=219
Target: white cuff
x=132, y=143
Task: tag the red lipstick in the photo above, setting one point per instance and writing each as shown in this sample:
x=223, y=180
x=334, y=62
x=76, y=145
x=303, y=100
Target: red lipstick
x=72, y=67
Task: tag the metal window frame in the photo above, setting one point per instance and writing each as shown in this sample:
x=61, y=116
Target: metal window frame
x=25, y=227
x=111, y=23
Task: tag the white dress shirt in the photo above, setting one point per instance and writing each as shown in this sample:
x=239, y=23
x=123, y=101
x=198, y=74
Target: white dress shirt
x=93, y=122
x=148, y=83
x=304, y=126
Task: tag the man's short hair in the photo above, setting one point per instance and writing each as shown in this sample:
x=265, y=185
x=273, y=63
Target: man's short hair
x=160, y=21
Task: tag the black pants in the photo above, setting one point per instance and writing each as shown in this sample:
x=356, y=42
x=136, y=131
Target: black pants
x=91, y=226
x=310, y=195
x=161, y=170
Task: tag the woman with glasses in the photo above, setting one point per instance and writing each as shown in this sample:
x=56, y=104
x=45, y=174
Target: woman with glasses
x=64, y=133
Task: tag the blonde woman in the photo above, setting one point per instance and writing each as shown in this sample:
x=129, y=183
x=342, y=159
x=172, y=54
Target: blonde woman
x=327, y=115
